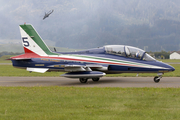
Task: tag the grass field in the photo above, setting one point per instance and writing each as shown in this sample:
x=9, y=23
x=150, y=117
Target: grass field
x=72, y=103
x=9, y=70
x=3, y=59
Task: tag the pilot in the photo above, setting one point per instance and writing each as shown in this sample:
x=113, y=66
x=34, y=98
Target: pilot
x=138, y=55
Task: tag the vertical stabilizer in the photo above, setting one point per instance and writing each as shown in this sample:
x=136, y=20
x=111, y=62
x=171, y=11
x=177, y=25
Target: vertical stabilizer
x=32, y=42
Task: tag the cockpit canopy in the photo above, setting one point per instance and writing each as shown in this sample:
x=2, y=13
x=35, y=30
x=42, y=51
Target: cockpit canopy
x=128, y=51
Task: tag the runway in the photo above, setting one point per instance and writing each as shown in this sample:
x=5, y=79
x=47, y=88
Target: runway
x=104, y=82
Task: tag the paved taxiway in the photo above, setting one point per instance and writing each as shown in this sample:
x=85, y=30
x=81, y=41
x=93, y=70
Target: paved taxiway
x=104, y=82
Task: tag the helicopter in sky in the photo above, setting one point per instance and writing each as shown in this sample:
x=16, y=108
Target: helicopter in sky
x=47, y=14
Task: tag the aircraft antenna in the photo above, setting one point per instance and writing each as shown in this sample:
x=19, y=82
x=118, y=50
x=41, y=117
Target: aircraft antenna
x=55, y=49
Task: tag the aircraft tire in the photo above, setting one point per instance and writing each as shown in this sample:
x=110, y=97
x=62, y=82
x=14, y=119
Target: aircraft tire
x=83, y=80
x=156, y=79
x=95, y=79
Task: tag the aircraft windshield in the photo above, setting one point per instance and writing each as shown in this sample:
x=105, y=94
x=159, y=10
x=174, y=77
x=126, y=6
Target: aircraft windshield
x=147, y=57
x=128, y=51
x=134, y=52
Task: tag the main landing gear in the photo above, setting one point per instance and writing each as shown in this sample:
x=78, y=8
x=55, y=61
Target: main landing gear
x=84, y=80
x=158, y=78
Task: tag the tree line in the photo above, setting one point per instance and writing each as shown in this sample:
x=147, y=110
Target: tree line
x=8, y=53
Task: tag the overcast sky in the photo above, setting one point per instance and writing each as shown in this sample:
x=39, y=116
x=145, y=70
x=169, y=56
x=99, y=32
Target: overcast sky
x=74, y=20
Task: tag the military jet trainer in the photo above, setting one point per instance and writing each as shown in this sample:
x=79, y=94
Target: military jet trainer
x=87, y=64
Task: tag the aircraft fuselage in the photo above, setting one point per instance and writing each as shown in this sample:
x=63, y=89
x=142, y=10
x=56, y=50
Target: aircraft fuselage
x=111, y=63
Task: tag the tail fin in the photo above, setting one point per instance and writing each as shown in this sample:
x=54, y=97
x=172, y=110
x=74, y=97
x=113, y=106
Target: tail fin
x=32, y=42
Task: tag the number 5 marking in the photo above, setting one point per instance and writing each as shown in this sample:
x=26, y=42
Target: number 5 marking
x=26, y=43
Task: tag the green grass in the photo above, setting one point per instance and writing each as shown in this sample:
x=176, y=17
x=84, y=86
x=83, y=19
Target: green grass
x=9, y=70
x=73, y=103
x=3, y=59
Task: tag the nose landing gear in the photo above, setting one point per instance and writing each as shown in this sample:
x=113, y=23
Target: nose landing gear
x=158, y=78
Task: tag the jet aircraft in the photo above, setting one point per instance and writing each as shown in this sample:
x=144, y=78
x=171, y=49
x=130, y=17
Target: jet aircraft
x=47, y=14
x=87, y=64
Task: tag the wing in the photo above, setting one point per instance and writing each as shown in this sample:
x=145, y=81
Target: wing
x=51, y=11
x=76, y=68
x=88, y=67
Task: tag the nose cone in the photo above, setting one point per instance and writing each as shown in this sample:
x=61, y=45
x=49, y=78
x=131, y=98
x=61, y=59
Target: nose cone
x=171, y=68
x=168, y=67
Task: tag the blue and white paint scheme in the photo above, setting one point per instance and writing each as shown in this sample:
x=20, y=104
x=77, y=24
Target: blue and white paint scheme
x=86, y=64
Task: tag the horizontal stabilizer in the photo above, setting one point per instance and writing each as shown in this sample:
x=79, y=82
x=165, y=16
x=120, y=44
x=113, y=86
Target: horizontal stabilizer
x=26, y=56
x=85, y=74
x=40, y=70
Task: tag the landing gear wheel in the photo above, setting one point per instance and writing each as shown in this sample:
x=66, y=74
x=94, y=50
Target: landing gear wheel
x=156, y=79
x=83, y=80
x=95, y=79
